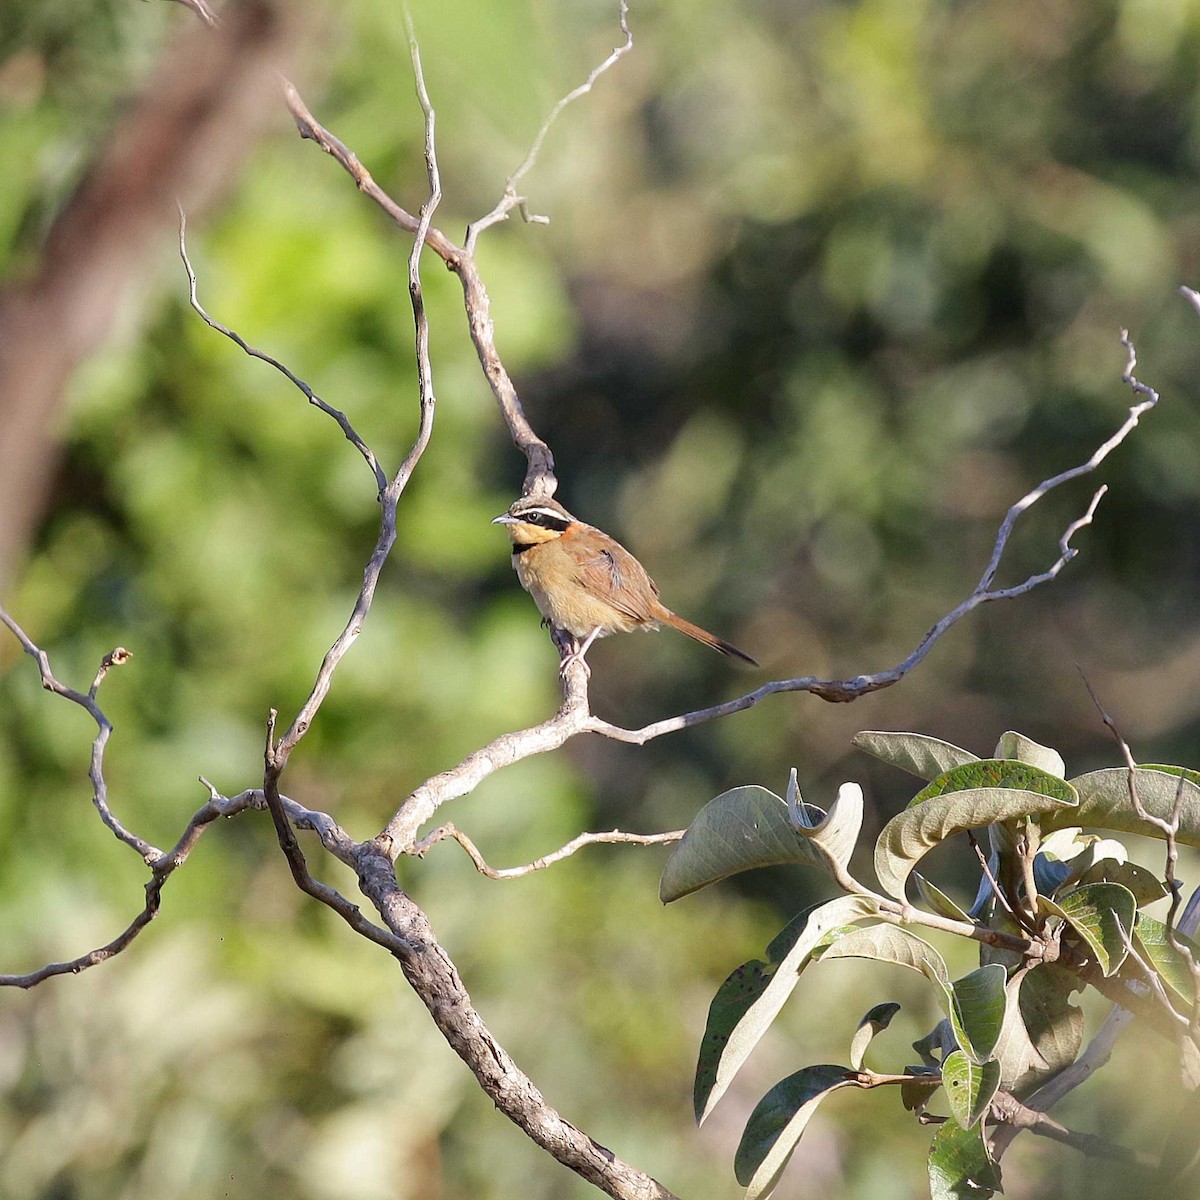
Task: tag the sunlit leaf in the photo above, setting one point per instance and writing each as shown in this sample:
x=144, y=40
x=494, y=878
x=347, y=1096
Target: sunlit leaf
x=1164, y=958
x=741, y=1028
x=944, y=810
x=969, y=1087
x=777, y=1123
x=1145, y=885
x=1000, y=774
x=977, y=1010
x=874, y=1022
x=959, y=1166
x=741, y=829
x=1019, y=748
x=1104, y=801
x=916, y=753
x=1100, y=913
x=834, y=834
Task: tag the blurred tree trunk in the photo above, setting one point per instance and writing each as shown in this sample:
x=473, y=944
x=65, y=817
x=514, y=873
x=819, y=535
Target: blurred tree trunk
x=183, y=138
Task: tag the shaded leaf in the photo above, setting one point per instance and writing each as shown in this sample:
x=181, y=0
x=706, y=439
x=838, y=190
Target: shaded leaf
x=937, y=900
x=1164, y=958
x=876, y=1021
x=1099, y=913
x=1019, y=748
x=916, y=1090
x=959, y=1166
x=1145, y=885
x=942, y=813
x=1049, y=874
x=741, y=1028
x=977, y=1010
x=969, y=1087
x=741, y=829
x=777, y=1123
x=916, y=753
x=1042, y=1031
x=941, y=1038
x=1104, y=801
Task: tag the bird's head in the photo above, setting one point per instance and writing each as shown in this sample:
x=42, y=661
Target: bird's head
x=533, y=519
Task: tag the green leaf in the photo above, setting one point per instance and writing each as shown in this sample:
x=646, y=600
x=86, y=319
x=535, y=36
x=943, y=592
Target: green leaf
x=925, y=757
x=959, y=1166
x=1104, y=801
x=1099, y=912
x=740, y=1027
x=1145, y=885
x=1042, y=1029
x=937, y=900
x=875, y=1022
x=741, y=829
x=943, y=809
x=975, y=1004
x=999, y=773
x=1164, y=958
x=1018, y=747
x=969, y=1087
x=977, y=1010
x=777, y=1123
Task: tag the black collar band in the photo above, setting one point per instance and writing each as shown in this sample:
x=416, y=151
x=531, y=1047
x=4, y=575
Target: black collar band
x=521, y=547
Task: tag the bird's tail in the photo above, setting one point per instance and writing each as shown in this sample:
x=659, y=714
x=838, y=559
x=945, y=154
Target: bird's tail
x=702, y=635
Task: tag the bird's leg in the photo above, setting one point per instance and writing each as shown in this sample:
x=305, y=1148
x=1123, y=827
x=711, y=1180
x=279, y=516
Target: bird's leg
x=578, y=650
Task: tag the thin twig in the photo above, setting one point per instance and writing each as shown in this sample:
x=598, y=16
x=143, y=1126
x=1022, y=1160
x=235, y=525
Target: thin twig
x=1010, y=1111
x=997, y=890
x=451, y=832
x=313, y=399
x=511, y=199
x=149, y=853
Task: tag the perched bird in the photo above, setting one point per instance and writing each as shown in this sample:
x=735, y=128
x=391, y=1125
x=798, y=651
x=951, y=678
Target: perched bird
x=586, y=584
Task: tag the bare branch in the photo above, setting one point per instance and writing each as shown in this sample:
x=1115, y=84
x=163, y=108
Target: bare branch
x=511, y=199
x=148, y=853
x=1010, y=1111
x=448, y=831
x=313, y=399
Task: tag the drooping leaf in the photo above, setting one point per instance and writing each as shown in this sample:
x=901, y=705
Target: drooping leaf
x=741, y=829
x=741, y=1028
x=937, y=900
x=777, y=1123
x=1019, y=748
x=974, y=1004
x=977, y=1005
x=925, y=757
x=835, y=834
x=969, y=1087
x=1164, y=958
x=1100, y=913
x=1104, y=801
x=874, y=1022
x=943, y=813
x=959, y=1166
x=917, y=1090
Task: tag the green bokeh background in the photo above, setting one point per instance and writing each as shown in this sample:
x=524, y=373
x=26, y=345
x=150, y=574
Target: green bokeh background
x=825, y=288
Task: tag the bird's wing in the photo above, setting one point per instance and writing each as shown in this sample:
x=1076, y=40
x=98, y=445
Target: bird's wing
x=619, y=578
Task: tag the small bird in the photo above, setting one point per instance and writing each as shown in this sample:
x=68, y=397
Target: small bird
x=586, y=584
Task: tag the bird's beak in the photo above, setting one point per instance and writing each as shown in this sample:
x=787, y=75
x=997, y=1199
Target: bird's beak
x=504, y=519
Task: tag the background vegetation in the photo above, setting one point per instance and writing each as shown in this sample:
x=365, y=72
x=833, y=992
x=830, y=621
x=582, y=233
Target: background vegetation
x=826, y=286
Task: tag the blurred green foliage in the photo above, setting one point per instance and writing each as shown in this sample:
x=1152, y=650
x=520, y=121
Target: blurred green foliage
x=827, y=286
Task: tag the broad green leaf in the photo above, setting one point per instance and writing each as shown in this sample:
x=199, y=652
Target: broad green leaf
x=890, y=944
x=937, y=900
x=1164, y=958
x=876, y=1021
x=941, y=814
x=741, y=829
x=1104, y=802
x=1099, y=913
x=777, y=1123
x=739, y=1030
x=1042, y=1029
x=969, y=1087
x=1018, y=747
x=925, y=757
x=998, y=773
x=1144, y=885
x=959, y=1166
x=977, y=1005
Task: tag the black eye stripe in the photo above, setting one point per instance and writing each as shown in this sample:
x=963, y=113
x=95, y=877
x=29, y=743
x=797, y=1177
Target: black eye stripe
x=545, y=519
